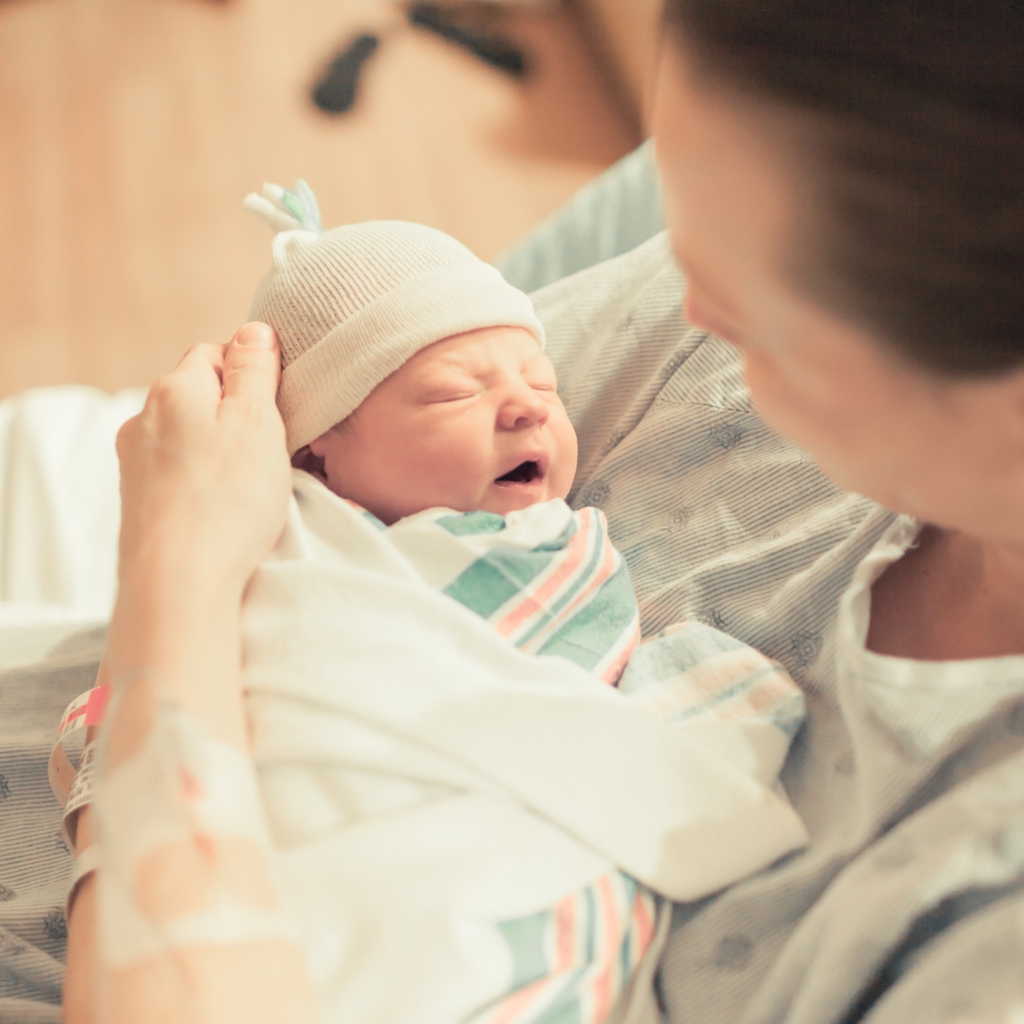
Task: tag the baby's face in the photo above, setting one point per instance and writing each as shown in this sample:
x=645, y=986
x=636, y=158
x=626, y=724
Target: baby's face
x=471, y=422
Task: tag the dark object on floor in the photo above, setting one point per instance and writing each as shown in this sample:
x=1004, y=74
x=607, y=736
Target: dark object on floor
x=496, y=50
x=336, y=90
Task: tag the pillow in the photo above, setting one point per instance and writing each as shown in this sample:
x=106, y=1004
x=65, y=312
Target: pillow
x=59, y=503
x=617, y=211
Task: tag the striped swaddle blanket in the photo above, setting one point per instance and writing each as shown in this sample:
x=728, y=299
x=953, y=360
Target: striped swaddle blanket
x=550, y=580
x=546, y=577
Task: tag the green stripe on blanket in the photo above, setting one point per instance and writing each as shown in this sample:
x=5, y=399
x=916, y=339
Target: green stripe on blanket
x=609, y=613
x=493, y=580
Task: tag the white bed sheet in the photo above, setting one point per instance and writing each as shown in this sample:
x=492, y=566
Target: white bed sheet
x=59, y=505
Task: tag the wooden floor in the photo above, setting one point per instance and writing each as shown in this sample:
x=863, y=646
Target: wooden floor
x=131, y=129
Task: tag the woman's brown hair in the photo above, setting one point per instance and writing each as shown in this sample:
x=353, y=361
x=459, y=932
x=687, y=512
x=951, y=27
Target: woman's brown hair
x=916, y=114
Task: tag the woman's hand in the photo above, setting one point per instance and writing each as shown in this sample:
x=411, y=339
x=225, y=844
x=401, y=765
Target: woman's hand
x=205, y=476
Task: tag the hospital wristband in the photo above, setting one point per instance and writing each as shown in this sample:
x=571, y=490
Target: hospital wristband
x=81, y=794
x=86, y=864
x=73, y=787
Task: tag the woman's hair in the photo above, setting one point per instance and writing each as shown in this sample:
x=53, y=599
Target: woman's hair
x=916, y=125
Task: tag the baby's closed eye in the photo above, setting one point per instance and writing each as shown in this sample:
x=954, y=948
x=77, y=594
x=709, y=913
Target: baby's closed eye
x=452, y=391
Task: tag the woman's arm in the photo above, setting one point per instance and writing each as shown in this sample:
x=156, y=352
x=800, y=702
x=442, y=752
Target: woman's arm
x=205, y=483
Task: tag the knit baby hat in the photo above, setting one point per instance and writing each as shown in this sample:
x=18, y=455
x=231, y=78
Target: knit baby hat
x=352, y=304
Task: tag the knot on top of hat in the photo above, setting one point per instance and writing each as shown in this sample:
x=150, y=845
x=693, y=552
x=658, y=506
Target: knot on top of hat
x=286, y=209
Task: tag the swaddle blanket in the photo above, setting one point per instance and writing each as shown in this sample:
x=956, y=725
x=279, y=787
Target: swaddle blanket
x=470, y=832
x=547, y=578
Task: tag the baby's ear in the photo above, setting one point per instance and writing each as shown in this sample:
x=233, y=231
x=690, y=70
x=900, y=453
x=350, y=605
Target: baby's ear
x=318, y=446
x=312, y=464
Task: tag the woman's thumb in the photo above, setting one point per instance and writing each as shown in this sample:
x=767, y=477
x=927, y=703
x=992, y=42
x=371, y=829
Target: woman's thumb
x=252, y=362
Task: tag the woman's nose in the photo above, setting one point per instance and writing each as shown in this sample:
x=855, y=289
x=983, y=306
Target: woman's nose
x=522, y=408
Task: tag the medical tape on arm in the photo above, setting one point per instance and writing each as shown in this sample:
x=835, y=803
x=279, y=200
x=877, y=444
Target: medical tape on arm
x=179, y=796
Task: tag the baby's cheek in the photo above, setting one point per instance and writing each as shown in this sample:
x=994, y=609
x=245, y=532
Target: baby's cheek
x=440, y=473
x=564, y=486
x=567, y=456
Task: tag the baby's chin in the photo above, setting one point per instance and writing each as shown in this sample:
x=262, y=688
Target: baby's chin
x=499, y=498
x=505, y=498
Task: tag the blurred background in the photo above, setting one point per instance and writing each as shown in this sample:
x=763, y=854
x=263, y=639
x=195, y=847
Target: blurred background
x=130, y=130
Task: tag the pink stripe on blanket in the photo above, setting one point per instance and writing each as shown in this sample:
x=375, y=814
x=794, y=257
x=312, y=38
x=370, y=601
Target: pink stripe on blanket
x=532, y=603
x=608, y=567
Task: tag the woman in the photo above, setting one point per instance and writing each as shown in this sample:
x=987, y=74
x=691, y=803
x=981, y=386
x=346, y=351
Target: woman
x=843, y=192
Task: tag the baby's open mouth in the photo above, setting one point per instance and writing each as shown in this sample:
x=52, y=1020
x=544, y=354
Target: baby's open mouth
x=524, y=473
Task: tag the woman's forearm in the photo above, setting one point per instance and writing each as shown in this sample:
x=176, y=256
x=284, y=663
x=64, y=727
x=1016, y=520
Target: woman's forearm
x=80, y=973
x=172, y=637
x=179, y=638
x=194, y=648
x=165, y=628
x=180, y=633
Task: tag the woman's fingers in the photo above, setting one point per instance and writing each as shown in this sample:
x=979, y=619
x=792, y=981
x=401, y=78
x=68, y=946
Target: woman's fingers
x=204, y=356
x=205, y=463
x=126, y=436
x=252, y=364
x=202, y=367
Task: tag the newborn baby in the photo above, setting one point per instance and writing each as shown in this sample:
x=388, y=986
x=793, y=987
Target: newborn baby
x=428, y=372
x=510, y=821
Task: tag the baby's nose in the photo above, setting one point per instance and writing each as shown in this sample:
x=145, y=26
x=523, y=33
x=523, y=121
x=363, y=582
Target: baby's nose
x=525, y=408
